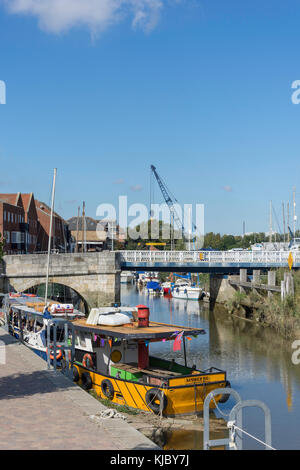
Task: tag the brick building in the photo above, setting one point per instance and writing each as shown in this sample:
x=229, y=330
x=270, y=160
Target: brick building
x=25, y=223
x=12, y=223
x=59, y=229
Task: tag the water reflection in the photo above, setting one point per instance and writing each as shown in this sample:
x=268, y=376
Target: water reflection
x=257, y=360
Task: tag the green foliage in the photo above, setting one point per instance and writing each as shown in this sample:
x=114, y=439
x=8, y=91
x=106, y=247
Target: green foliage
x=227, y=242
x=109, y=404
x=154, y=231
x=283, y=316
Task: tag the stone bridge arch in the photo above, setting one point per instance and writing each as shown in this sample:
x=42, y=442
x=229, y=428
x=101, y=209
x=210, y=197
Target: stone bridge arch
x=69, y=295
x=94, y=276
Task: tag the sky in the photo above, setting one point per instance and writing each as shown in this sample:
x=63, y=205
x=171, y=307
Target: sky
x=202, y=89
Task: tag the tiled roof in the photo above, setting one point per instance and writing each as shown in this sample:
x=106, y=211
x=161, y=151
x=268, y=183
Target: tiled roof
x=10, y=198
x=26, y=200
x=46, y=209
x=91, y=236
x=91, y=224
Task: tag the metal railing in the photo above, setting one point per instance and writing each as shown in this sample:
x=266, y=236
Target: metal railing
x=225, y=258
x=210, y=257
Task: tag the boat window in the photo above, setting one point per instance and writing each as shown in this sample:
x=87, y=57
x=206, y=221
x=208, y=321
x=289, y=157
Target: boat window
x=82, y=341
x=38, y=326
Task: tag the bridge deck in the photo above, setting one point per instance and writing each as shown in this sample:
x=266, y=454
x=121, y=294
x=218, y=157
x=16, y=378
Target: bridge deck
x=223, y=262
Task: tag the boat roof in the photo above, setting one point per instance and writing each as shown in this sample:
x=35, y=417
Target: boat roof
x=19, y=303
x=155, y=330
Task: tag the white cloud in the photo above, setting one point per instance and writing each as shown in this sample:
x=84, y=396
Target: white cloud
x=56, y=16
x=137, y=187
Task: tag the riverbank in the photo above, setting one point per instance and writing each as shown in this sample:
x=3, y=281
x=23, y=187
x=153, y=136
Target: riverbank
x=270, y=311
x=160, y=429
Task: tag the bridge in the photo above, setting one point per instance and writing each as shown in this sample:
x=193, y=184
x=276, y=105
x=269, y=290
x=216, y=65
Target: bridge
x=215, y=262
x=96, y=276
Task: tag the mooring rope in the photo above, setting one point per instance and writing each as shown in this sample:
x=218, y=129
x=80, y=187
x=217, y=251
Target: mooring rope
x=231, y=425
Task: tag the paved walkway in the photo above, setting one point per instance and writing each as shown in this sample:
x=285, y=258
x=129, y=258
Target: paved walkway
x=41, y=409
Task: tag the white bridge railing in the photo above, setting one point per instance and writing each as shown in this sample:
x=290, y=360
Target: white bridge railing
x=211, y=257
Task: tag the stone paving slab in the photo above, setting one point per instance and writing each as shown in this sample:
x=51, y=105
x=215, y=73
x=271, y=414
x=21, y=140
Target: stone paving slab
x=42, y=409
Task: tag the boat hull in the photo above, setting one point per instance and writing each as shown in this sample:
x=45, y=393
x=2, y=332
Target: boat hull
x=183, y=395
x=186, y=295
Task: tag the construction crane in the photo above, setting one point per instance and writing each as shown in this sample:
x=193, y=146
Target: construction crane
x=174, y=215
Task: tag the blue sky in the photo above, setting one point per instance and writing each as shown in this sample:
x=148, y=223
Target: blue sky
x=201, y=89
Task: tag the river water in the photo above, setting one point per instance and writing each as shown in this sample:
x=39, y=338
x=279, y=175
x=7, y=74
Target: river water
x=257, y=361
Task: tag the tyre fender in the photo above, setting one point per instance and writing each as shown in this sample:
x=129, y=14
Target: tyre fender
x=107, y=389
x=86, y=381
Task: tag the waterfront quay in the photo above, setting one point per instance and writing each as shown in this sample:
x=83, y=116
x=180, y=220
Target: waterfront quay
x=41, y=409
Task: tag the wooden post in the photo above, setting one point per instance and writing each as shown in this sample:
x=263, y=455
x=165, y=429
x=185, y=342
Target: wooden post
x=256, y=278
x=77, y=229
x=271, y=281
x=282, y=290
x=243, y=278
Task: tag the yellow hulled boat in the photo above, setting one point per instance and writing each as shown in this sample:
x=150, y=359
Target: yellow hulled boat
x=113, y=358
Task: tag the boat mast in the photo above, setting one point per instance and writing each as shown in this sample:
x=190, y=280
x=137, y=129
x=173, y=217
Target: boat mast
x=294, y=205
x=50, y=235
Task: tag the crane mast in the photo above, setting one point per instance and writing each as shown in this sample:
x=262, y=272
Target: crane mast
x=174, y=216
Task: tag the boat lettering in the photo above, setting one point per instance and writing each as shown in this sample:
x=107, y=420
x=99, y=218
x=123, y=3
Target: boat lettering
x=197, y=379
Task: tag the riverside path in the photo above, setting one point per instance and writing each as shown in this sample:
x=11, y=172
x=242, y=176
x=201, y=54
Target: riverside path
x=42, y=409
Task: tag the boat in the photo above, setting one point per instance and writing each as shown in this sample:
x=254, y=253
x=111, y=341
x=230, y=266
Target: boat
x=153, y=287
x=187, y=292
x=166, y=287
x=126, y=277
x=113, y=359
x=26, y=321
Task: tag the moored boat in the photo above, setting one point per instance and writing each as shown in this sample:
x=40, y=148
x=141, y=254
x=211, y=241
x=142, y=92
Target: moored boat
x=114, y=359
x=167, y=287
x=26, y=320
x=126, y=277
x=153, y=287
x=187, y=292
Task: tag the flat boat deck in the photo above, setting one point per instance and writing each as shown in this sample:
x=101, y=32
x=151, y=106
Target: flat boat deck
x=155, y=330
x=150, y=371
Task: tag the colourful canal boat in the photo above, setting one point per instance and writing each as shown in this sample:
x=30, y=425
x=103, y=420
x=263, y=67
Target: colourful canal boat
x=112, y=357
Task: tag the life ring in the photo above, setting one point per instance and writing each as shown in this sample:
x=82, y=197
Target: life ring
x=86, y=381
x=156, y=400
x=107, y=389
x=225, y=396
x=87, y=361
x=58, y=352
